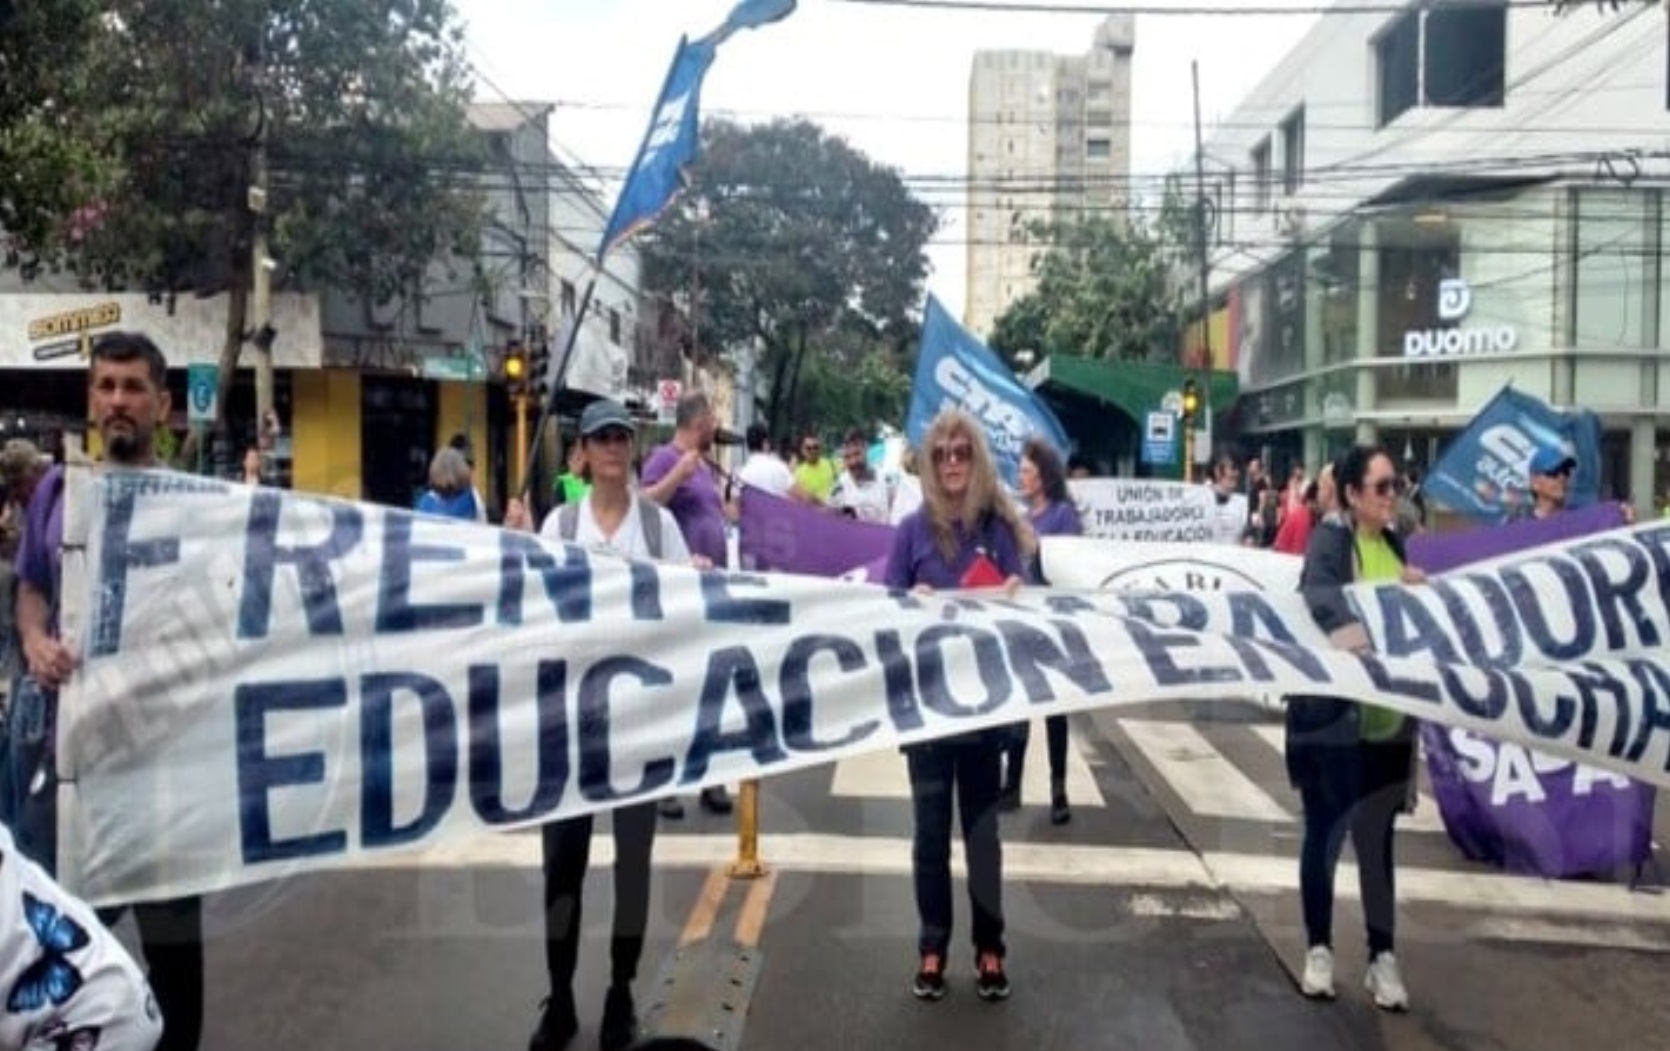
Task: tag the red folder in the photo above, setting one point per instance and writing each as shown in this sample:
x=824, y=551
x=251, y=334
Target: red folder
x=983, y=573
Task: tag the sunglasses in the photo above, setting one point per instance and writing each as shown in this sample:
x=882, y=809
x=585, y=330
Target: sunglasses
x=611, y=436
x=811, y=448
x=955, y=452
x=1380, y=487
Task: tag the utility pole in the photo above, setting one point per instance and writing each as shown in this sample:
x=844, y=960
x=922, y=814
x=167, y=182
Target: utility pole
x=1200, y=224
x=261, y=267
x=1205, y=267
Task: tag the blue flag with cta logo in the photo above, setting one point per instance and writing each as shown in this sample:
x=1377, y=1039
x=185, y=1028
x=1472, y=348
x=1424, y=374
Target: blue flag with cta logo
x=660, y=170
x=1485, y=473
x=956, y=370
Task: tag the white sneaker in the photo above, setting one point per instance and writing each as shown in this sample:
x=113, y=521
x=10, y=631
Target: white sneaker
x=1385, y=983
x=1318, y=982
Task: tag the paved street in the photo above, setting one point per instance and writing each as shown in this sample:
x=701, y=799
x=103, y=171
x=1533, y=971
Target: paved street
x=1162, y=917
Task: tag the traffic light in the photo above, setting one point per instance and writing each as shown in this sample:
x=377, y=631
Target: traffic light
x=539, y=371
x=1191, y=401
x=515, y=368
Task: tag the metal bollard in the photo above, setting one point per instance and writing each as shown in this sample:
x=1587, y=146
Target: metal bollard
x=747, y=864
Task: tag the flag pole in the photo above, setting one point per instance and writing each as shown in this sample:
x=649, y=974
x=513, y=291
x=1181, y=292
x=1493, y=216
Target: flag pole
x=557, y=379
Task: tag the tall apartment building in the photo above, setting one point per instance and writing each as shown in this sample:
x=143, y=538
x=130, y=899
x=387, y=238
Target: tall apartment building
x=1048, y=136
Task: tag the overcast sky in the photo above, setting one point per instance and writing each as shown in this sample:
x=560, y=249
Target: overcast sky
x=891, y=80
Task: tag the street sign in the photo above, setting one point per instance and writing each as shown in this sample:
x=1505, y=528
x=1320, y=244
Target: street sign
x=1172, y=402
x=202, y=390
x=667, y=395
x=1159, y=439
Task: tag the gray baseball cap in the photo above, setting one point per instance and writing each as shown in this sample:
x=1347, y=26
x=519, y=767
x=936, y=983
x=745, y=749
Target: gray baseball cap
x=605, y=413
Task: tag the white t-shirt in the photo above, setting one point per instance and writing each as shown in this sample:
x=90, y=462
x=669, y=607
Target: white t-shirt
x=50, y=941
x=907, y=498
x=867, y=499
x=767, y=473
x=628, y=540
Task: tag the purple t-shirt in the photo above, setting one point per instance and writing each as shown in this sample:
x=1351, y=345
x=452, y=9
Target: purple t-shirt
x=40, y=554
x=695, y=504
x=1059, y=518
x=916, y=558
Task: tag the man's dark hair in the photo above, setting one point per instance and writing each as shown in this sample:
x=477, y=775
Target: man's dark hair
x=757, y=437
x=856, y=435
x=123, y=347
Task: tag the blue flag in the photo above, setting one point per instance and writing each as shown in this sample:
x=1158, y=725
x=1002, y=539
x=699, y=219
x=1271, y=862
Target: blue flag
x=658, y=173
x=1485, y=471
x=956, y=370
x=661, y=168
x=751, y=14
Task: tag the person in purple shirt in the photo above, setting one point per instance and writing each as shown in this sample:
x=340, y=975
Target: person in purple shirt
x=678, y=477
x=1049, y=507
x=967, y=530
x=127, y=396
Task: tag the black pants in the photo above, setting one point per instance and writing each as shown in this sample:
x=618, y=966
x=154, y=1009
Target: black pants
x=567, y=851
x=1014, y=752
x=1357, y=789
x=971, y=767
x=171, y=935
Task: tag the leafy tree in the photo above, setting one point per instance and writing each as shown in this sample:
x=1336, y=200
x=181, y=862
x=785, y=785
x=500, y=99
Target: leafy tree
x=44, y=167
x=358, y=106
x=1104, y=291
x=795, y=238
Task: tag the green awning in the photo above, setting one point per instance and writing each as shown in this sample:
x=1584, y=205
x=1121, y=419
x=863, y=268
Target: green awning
x=1135, y=388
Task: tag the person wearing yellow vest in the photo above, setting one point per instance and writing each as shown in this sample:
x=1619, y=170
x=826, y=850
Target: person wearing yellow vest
x=1352, y=764
x=815, y=473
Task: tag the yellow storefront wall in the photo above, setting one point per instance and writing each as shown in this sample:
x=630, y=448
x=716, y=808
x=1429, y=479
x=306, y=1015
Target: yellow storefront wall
x=463, y=410
x=1192, y=347
x=325, y=424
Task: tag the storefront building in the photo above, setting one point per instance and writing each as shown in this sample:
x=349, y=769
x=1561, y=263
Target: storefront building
x=1479, y=212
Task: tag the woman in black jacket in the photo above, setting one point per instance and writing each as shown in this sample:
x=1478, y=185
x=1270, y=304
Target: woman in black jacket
x=1351, y=763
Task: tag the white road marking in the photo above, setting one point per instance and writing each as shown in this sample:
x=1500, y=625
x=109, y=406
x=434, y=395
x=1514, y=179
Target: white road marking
x=1486, y=893
x=1207, y=782
x=881, y=775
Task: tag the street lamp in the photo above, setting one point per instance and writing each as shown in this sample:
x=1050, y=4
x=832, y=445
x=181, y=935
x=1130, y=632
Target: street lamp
x=1191, y=405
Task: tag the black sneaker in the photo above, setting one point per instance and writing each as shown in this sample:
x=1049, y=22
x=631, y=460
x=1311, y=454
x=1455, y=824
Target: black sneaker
x=930, y=978
x=715, y=800
x=670, y=808
x=620, y=1021
x=992, y=984
x=1060, y=812
x=557, y=1026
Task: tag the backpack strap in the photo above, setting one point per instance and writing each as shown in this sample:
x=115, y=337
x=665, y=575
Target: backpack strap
x=649, y=518
x=568, y=522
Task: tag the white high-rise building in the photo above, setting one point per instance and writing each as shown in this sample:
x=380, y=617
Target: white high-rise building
x=1049, y=136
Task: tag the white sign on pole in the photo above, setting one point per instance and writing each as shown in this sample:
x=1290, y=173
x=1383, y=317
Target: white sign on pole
x=667, y=395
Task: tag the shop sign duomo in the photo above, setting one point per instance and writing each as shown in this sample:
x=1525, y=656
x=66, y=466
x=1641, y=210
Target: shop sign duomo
x=1455, y=301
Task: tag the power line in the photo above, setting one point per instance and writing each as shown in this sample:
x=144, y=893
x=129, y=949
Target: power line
x=1038, y=7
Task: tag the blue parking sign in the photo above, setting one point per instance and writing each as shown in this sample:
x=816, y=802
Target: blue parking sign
x=202, y=390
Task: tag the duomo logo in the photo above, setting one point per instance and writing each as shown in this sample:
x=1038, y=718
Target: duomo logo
x=1455, y=302
x=1455, y=299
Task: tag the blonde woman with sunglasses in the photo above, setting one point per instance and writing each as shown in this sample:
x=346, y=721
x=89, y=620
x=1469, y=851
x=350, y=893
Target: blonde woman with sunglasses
x=967, y=534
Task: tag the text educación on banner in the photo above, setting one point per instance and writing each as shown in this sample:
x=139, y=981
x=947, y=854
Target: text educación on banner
x=273, y=683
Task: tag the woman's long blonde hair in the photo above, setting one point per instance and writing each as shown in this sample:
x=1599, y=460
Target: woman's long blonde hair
x=984, y=495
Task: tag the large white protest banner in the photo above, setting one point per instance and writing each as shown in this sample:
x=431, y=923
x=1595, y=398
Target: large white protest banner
x=1092, y=564
x=1157, y=511
x=272, y=683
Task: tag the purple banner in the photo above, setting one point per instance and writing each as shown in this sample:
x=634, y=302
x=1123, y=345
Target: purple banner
x=788, y=537
x=1512, y=807
x=1439, y=552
